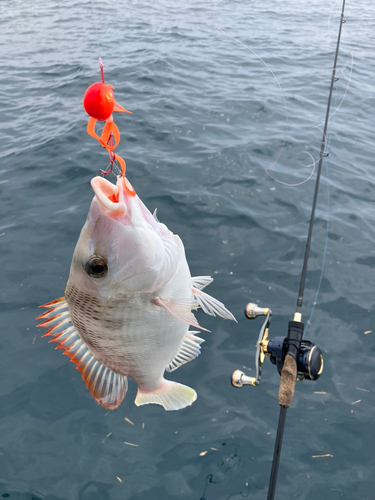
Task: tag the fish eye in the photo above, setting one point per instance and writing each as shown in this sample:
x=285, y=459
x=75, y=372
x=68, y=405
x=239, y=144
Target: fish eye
x=96, y=267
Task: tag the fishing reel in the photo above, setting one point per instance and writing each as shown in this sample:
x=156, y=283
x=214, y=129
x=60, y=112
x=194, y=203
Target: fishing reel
x=308, y=356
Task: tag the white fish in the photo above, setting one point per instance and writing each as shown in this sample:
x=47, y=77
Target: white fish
x=128, y=302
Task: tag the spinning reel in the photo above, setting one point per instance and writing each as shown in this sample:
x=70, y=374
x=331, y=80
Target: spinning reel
x=308, y=356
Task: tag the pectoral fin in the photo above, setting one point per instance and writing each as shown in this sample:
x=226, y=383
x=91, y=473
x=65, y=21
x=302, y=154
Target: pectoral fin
x=212, y=306
x=181, y=309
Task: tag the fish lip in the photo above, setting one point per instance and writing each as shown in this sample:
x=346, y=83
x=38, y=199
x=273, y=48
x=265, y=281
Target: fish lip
x=104, y=189
x=125, y=189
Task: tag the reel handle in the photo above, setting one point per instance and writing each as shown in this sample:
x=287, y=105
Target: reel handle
x=239, y=379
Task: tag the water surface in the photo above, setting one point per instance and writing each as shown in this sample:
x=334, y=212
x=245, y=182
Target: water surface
x=208, y=119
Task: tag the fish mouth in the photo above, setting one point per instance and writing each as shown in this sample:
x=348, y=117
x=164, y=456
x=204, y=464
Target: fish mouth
x=114, y=198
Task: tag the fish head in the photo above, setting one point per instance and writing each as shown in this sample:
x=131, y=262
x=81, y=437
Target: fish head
x=122, y=248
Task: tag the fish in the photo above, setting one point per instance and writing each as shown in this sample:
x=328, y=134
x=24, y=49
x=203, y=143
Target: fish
x=129, y=302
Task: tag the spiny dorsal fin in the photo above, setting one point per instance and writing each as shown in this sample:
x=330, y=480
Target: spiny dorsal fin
x=212, y=306
x=189, y=350
x=106, y=386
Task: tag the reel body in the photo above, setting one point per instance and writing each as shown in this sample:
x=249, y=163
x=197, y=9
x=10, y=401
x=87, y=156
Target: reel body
x=309, y=361
x=308, y=356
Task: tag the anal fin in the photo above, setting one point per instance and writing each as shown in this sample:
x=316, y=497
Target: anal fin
x=171, y=395
x=106, y=386
x=189, y=350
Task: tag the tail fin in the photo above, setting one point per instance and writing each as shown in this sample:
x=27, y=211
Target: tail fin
x=171, y=395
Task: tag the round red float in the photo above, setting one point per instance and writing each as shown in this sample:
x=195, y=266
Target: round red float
x=99, y=101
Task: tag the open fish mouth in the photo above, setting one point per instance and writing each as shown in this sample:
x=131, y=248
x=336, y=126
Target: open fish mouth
x=114, y=198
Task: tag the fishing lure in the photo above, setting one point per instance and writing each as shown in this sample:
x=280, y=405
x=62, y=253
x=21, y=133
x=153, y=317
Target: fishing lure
x=99, y=103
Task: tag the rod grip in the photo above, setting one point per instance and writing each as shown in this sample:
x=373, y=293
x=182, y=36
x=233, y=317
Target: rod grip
x=288, y=381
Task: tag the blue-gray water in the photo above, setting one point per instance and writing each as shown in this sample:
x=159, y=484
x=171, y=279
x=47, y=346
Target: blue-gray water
x=208, y=118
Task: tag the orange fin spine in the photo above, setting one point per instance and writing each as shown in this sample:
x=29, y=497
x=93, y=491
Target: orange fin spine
x=51, y=330
x=57, y=337
x=106, y=386
x=47, y=314
x=73, y=356
x=54, y=302
x=49, y=321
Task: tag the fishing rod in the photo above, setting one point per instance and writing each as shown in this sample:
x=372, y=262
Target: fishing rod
x=296, y=359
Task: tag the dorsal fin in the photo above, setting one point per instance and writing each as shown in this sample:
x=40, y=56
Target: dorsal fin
x=189, y=350
x=106, y=386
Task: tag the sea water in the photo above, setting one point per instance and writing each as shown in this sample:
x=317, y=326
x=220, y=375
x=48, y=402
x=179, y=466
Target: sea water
x=209, y=121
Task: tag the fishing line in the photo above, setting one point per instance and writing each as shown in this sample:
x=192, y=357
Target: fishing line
x=116, y=163
x=308, y=322
x=274, y=76
x=294, y=357
x=95, y=23
x=336, y=108
x=346, y=91
x=288, y=381
x=329, y=18
x=328, y=196
x=324, y=254
x=323, y=153
x=314, y=162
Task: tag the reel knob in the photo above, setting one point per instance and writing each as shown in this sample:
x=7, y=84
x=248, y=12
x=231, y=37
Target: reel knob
x=239, y=379
x=253, y=310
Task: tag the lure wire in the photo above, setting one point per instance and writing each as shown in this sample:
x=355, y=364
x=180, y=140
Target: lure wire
x=323, y=153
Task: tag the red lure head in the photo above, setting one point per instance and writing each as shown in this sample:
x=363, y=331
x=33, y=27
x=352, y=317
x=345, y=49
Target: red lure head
x=99, y=101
